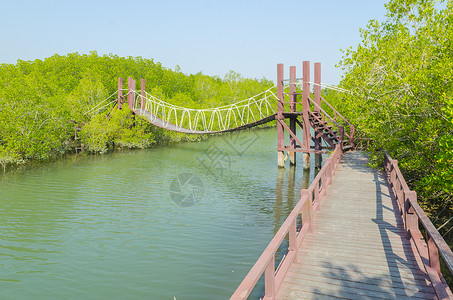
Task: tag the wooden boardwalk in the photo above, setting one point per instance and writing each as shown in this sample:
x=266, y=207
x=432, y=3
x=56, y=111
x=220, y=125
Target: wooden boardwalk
x=358, y=249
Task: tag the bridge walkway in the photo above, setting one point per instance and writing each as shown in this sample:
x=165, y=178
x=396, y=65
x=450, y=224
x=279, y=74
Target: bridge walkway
x=358, y=249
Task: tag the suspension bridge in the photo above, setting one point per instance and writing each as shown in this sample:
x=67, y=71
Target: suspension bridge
x=356, y=232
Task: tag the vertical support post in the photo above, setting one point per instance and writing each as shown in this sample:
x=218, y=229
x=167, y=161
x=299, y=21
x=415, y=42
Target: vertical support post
x=329, y=171
x=351, y=140
x=293, y=238
x=411, y=216
x=341, y=137
x=316, y=189
x=131, y=92
x=280, y=118
x=393, y=164
x=142, y=93
x=292, y=108
x=306, y=109
x=120, y=93
x=269, y=280
x=433, y=254
x=317, y=99
x=306, y=210
x=317, y=87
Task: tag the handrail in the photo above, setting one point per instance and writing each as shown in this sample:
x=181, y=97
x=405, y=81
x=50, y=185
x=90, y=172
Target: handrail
x=307, y=205
x=336, y=112
x=351, y=127
x=341, y=128
x=324, y=112
x=412, y=213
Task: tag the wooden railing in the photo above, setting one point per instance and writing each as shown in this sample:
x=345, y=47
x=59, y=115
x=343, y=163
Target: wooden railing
x=334, y=119
x=337, y=114
x=306, y=207
x=412, y=215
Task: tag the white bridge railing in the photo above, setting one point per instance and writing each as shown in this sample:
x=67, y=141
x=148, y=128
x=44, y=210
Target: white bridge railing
x=207, y=119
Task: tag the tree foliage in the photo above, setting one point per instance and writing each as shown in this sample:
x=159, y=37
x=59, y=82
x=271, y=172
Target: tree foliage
x=400, y=79
x=44, y=103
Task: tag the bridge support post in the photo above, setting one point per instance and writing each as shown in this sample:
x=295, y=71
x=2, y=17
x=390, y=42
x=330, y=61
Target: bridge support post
x=142, y=93
x=280, y=118
x=306, y=109
x=292, y=108
x=120, y=93
x=317, y=96
x=131, y=92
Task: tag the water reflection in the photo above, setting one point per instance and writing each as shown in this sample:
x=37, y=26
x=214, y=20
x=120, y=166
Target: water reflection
x=278, y=198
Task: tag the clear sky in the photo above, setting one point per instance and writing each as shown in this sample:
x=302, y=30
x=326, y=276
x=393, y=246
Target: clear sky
x=247, y=36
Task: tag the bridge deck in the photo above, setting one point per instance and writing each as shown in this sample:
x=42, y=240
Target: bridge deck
x=358, y=249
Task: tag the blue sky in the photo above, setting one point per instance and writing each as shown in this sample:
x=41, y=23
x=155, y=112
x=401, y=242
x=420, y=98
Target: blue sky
x=249, y=37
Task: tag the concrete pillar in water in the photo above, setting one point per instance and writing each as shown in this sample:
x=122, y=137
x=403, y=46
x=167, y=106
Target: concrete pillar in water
x=306, y=161
x=281, y=159
x=292, y=158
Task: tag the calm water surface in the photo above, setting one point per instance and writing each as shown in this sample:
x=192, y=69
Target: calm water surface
x=108, y=227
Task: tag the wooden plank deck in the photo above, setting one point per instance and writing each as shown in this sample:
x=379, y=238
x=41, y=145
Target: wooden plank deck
x=358, y=249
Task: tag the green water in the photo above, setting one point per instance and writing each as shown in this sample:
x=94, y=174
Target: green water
x=108, y=227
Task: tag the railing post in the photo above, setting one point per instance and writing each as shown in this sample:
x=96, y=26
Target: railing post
x=142, y=93
x=401, y=198
x=130, y=92
x=293, y=238
x=341, y=137
x=292, y=108
x=316, y=189
x=269, y=280
x=433, y=254
x=393, y=165
x=411, y=217
x=329, y=171
x=120, y=92
x=351, y=136
x=307, y=219
x=403, y=208
x=280, y=118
